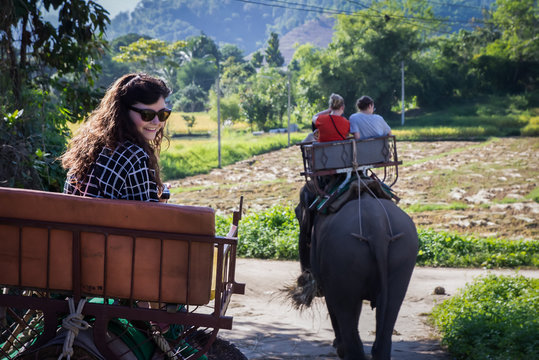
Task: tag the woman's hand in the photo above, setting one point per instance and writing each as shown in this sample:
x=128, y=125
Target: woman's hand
x=165, y=195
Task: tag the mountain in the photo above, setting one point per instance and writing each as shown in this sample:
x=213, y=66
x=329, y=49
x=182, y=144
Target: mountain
x=318, y=32
x=247, y=23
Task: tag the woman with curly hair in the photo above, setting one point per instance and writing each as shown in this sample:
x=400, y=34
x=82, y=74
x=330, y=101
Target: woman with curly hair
x=114, y=154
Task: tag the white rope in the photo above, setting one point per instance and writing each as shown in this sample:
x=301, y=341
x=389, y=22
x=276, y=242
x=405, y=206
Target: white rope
x=356, y=165
x=359, y=182
x=162, y=343
x=73, y=323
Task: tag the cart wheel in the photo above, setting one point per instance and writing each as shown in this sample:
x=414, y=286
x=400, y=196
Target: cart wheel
x=52, y=352
x=224, y=350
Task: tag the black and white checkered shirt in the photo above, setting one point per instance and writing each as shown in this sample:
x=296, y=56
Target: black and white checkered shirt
x=122, y=173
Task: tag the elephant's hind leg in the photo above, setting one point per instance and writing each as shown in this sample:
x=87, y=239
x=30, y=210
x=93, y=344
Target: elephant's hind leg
x=345, y=318
x=398, y=284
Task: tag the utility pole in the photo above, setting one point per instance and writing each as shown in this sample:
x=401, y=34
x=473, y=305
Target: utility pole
x=402, y=93
x=288, y=127
x=218, y=118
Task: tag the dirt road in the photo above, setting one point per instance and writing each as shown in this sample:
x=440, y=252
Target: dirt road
x=266, y=327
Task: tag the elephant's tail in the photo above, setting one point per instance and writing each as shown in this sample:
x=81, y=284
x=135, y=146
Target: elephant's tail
x=303, y=292
x=380, y=249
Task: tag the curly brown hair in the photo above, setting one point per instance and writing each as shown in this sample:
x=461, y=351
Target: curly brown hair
x=109, y=125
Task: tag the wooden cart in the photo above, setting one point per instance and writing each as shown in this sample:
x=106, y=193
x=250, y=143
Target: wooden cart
x=139, y=268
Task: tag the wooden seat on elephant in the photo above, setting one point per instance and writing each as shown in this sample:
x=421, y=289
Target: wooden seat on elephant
x=346, y=156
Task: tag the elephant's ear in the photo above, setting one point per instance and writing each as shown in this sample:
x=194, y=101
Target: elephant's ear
x=396, y=237
x=360, y=237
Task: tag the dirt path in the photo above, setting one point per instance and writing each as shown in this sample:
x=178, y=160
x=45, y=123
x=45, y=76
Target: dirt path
x=266, y=327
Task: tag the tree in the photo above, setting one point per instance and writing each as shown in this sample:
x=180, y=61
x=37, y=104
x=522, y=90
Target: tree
x=230, y=51
x=257, y=59
x=152, y=55
x=49, y=72
x=274, y=58
x=265, y=99
x=229, y=107
x=364, y=57
x=233, y=75
x=190, y=99
x=189, y=121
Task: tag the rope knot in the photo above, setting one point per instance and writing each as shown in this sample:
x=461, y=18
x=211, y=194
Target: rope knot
x=74, y=322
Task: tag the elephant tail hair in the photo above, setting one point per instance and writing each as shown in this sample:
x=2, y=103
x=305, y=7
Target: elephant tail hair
x=303, y=292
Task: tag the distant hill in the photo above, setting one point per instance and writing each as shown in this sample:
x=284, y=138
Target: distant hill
x=318, y=32
x=247, y=24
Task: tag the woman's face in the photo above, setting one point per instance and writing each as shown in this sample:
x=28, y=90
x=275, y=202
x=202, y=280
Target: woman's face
x=148, y=129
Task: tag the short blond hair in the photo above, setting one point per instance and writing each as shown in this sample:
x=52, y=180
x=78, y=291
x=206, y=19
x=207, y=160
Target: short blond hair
x=336, y=101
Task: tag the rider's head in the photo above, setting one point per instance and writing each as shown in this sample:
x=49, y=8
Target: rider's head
x=336, y=102
x=364, y=102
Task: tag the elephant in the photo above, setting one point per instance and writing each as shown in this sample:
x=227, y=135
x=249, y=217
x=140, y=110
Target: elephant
x=366, y=250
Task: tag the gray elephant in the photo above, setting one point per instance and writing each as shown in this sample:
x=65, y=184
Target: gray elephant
x=354, y=260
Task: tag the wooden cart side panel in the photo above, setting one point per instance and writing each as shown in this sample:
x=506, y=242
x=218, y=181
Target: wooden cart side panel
x=113, y=262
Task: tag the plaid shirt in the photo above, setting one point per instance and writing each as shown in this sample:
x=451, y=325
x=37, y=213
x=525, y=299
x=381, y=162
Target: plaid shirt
x=122, y=173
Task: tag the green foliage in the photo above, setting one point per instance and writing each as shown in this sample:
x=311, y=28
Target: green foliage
x=190, y=122
x=274, y=233
x=493, y=318
x=230, y=108
x=271, y=234
x=265, y=100
x=455, y=250
x=257, y=59
x=49, y=72
x=190, y=99
x=200, y=72
x=274, y=58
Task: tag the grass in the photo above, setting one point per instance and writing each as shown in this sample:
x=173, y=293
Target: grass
x=534, y=195
x=203, y=124
x=483, y=118
x=188, y=157
x=419, y=207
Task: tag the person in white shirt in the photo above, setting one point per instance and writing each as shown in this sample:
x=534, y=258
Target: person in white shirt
x=364, y=124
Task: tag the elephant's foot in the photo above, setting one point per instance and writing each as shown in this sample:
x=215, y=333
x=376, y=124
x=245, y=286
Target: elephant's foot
x=340, y=352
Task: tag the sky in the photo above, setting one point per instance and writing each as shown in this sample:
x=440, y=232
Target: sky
x=116, y=6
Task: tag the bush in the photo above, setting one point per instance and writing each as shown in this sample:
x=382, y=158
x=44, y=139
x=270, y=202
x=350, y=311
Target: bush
x=494, y=318
x=455, y=250
x=272, y=234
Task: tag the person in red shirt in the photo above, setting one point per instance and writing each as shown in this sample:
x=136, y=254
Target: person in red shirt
x=331, y=125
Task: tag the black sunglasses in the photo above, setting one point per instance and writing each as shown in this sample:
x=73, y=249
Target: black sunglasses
x=148, y=114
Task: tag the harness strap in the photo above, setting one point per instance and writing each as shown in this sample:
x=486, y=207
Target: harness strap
x=335, y=126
